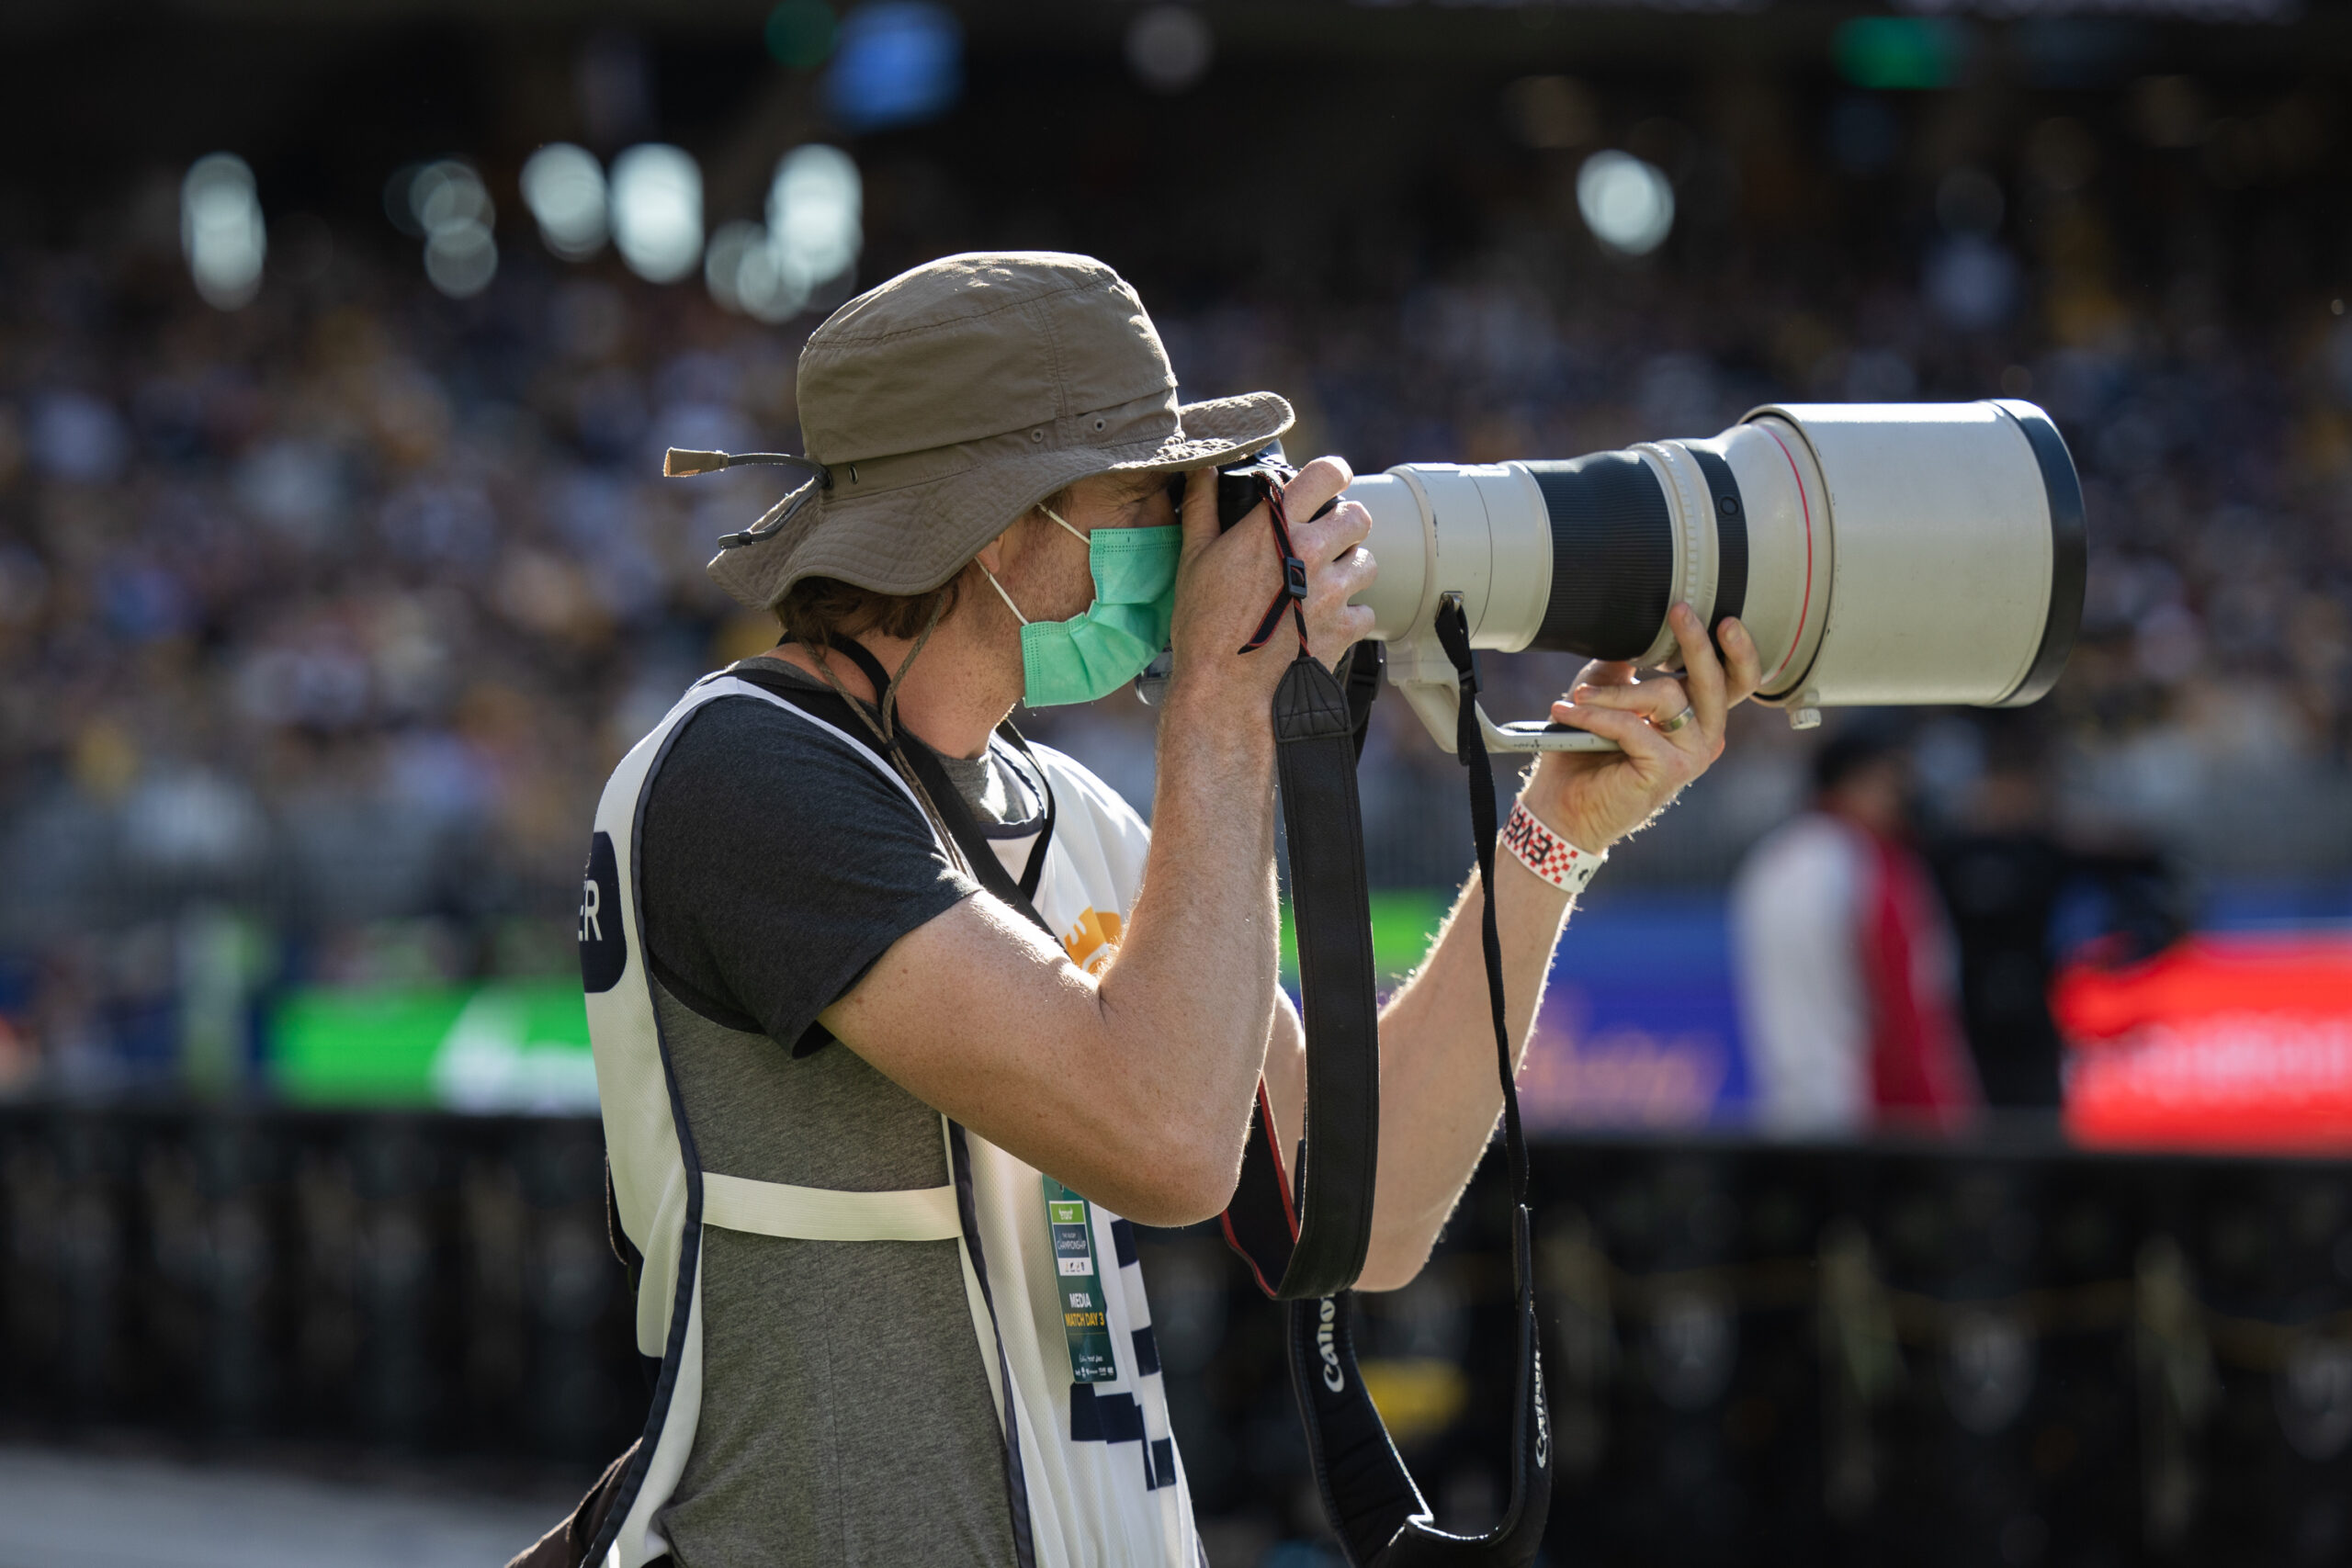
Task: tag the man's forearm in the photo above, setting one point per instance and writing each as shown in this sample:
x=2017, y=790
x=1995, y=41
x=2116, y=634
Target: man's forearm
x=1192, y=985
x=1437, y=1037
x=1133, y=1086
x=1438, y=1090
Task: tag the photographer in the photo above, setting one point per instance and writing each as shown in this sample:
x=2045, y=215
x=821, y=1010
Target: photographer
x=871, y=1127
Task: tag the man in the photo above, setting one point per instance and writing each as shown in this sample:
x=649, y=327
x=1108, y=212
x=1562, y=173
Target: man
x=2005, y=870
x=871, y=1128
x=1845, y=961
x=2002, y=871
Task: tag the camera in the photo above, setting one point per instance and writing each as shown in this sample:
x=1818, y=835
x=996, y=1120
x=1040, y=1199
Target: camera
x=1880, y=554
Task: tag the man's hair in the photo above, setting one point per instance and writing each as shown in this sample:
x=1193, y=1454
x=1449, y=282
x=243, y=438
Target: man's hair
x=818, y=612
x=1858, y=744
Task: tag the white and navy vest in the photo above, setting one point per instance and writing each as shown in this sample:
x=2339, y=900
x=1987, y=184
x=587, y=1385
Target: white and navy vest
x=1092, y=1472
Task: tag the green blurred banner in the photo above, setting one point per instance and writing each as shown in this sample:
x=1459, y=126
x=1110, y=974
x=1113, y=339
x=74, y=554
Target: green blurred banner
x=1403, y=921
x=523, y=1044
x=510, y=1045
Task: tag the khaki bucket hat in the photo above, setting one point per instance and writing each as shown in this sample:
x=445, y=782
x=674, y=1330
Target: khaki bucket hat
x=939, y=407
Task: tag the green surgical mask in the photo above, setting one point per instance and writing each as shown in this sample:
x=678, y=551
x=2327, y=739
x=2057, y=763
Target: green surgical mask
x=1094, y=654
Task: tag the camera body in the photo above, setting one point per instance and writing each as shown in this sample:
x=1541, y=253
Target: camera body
x=1241, y=486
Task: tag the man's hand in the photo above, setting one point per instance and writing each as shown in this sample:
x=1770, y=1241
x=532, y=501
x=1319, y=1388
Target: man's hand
x=1135, y=1086
x=1227, y=579
x=1598, y=797
x=1437, y=1042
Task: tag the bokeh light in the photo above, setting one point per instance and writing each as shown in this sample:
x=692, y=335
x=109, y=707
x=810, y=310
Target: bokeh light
x=895, y=62
x=1170, y=47
x=1971, y=282
x=451, y=207
x=733, y=247
x=816, y=207
x=462, y=260
x=564, y=187
x=1628, y=204
x=657, y=211
x=745, y=276
x=1912, y=53
x=450, y=195
x=220, y=229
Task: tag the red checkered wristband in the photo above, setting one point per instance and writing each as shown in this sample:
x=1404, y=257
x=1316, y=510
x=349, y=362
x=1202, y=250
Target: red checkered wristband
x=1548, y=854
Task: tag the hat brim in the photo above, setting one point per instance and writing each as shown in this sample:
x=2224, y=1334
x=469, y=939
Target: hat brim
x=914, y=537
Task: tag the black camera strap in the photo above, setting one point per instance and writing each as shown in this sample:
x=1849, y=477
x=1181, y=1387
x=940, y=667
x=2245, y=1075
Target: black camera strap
x=1315, y=755
x=1309, y=1252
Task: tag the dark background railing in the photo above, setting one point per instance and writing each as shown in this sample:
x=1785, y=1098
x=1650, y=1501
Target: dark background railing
x=1755, y=1353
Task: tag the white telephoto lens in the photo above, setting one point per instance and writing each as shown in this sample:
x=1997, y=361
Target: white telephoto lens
x=1878, y=553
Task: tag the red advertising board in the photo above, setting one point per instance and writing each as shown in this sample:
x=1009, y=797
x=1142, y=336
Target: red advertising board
x=2220, y=1042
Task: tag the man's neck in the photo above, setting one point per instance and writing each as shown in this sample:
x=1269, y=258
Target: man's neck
x=946, y=700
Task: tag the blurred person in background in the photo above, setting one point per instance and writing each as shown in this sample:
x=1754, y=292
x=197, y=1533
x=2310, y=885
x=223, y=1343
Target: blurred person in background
x=2006, y=871
x=2001, y=872
x=1845, y=961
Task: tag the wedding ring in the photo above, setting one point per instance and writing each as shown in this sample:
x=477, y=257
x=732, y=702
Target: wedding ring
x=1671, y=725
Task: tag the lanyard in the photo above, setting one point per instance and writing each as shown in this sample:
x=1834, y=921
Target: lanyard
x=1086, y=1321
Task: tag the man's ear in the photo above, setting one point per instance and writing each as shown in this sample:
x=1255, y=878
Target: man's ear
x=992, y=554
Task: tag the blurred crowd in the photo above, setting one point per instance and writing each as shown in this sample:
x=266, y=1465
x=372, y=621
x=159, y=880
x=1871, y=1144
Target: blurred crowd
x=323, y=620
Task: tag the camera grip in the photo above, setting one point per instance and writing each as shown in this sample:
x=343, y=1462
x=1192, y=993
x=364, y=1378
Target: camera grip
x=1241, y=486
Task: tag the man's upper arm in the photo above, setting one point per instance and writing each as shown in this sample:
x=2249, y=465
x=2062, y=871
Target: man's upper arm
x=779, y=865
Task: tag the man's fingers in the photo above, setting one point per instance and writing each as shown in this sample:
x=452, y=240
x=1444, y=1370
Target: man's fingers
x=1701, y=669
x=1629, y=730
x=1332, y=634
x=1746, y=665
x=1354, y=571
x=1311, y=486
x=1338, y=582
x=1349, y=526
x=1605, y=672
x=1660, y=698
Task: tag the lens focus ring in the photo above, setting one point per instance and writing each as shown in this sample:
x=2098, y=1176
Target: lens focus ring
x=1612, y=555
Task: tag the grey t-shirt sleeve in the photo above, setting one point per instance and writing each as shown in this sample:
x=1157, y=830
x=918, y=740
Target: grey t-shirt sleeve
x=777, y=866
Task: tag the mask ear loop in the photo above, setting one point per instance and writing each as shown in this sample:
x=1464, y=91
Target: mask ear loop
x=1003, y=594
x=1009, y=604
x=1082, y=539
